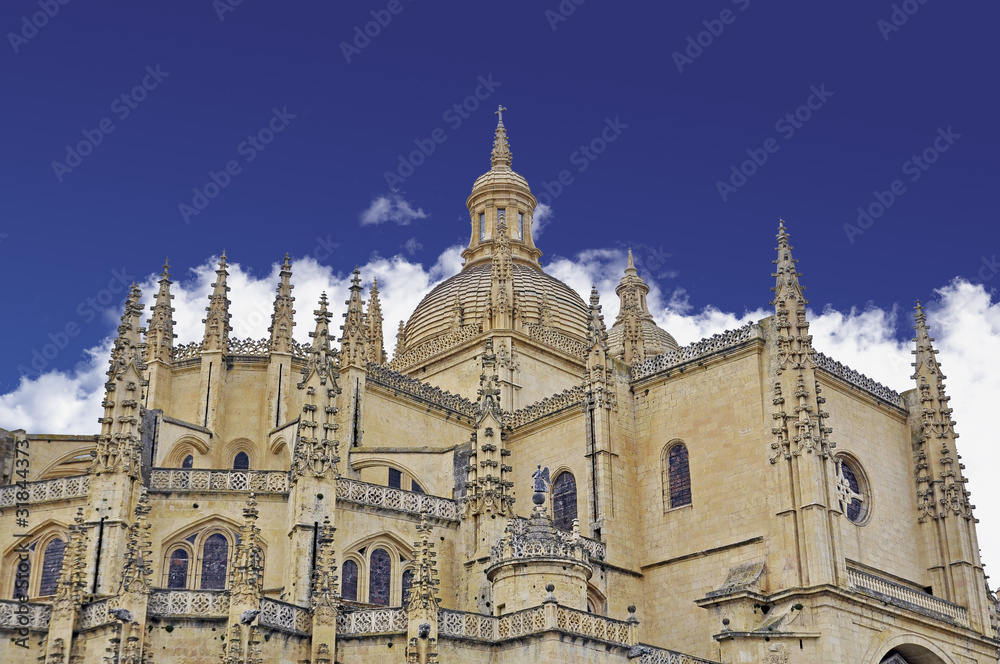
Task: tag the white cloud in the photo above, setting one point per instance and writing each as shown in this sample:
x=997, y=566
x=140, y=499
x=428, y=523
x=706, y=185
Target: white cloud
x=412, y=246
x=542, y=218
x=392, y=208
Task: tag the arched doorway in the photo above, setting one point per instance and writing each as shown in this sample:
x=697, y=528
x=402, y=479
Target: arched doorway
x=910, y=654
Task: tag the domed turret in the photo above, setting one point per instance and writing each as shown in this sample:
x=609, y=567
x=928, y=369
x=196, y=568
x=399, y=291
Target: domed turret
x=635, y=335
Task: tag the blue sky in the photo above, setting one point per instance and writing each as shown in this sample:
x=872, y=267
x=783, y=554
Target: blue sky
x=115, y=113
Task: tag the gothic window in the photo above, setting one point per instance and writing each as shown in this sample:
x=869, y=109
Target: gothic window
x=676, y=476
x=51, y=567
x=395, y=479
x=177, y=570
x=416, y=488
x=188, y=462
x=482, y=227
x=520, y=225
x=241, y=461
x=379, y=577
x=214, y=562
x=407, y=585
x=22, y=572
x=349, y=582
x=852, y=489
x=564, y=501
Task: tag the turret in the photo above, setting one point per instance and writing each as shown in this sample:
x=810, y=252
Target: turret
x=160, y=344
x=635, y=335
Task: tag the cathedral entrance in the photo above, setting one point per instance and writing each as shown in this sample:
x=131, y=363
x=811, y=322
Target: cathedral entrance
x=910, y=654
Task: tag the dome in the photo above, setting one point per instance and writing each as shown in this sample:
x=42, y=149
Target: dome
x=656, y=339
x=436, y=314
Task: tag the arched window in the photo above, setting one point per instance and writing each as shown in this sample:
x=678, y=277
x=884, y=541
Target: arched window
x=379, y=577
x=51, y=567
x=188, y=462
x=241, y=461
x=482, y=227
x=214, y=562
x=852, y=489
x=177, y=572
x=22, y=572
x=676, y=477
x=564, y=501
x=407, y=585
x=349, y=582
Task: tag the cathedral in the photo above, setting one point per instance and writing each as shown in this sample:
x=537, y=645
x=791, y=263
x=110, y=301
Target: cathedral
x=521, y=481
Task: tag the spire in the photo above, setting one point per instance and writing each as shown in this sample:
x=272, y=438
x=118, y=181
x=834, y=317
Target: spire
x=353, y=351
x=138, y=551
x=315, y=449
x=788, y=298
x=487, y=488
x=323, y=592
x=937, y=428
x=376, y=346
x=282, y=320
x=246, y=577
x=632, y=314
x=217, y=322
x=160, y=338
x=501, y=156
x=488, y=402
x=424, y=591
x=73, y=575
x=502, y=281
x=400, y=340
x=119, y=443
x=630, y=268
x=597, y=335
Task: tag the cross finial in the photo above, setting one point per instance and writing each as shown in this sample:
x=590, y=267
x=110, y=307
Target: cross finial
x=499, y=112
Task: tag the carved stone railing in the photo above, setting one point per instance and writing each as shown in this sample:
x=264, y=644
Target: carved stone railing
x=521, y=623
x=594, y=548
x=24, y=615
x=285, y=617
x=699, y=349
x=897, y=594
x=858, y=379
x=371, y=621
x=238, y=348
x=188, y=603
x=462, y=625
x=375, y=495
x=73, y=486
x=552, y=337
x=428, y=349
x=95, y=614
x=652, y=655
x=413, y=387
x=261, y=481
x=188, y=351
x=573, y=397
x=592, y=625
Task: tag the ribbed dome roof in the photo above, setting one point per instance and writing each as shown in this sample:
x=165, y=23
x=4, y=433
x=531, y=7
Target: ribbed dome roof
x=435, y=315
x=656, y=339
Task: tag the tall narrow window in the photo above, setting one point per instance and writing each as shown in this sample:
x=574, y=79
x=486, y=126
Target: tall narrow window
x=520, y=225
x=241, y=462
x=214, y=562
x=676, y=477
x=188, y=462
x=349, y=582
x=51, y=567
x=482, y=227
x=177, y=572
x=379, y=578
x=564, y=501
x=395, y=479
x=407, y=585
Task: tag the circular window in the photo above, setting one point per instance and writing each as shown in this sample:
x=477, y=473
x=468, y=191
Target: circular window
x=852, y=489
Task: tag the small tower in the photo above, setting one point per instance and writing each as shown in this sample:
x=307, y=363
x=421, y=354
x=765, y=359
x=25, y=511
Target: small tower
x=635, y=335
x=215, y=347
x=160, y=344
x=373, y=320
x=354, y=356
x=279, y=359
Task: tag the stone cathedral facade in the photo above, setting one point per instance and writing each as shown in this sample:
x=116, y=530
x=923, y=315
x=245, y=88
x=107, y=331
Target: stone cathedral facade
x=519, y=482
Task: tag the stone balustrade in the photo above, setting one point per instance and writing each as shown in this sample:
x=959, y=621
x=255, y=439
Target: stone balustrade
x=423, y=391
x=188, y=603
x=260, y=481
x=24, y=615
x=237, y=348
x=592, y=625
x=462, y=625
x=903, y=596
x=74, y=486
x=285, y=617
x=595, y=549
x=521, y=623
x=95, y=614
x=651, y=655
x=698, y=350
x=363, y=493
x=371, y=621
x=858, y=379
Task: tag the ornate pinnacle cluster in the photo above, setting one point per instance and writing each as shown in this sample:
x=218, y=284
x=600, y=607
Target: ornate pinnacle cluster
x=501, y=309
x=323, y=592
x=376, y=346
x=805, y=426
x=488, y=402
x=217, y=322
x=597, y=333
x=945, y=494
x=316, y=448
x=119, y=443
x=487, y=488
x=160, y=338
x=73, y=576
x=353, y=343
x=138, y=551
x=283, y=318
x=400, y=340
x=632, y=291
x=424, y=592
x=501, y=156
x=246, y=577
